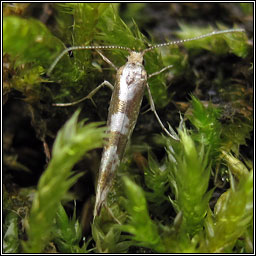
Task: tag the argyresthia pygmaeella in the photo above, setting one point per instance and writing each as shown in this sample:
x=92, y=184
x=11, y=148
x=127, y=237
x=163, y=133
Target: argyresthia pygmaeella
x=131, y=81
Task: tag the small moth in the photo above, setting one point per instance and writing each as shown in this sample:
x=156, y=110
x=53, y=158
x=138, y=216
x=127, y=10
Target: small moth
x=131, y=81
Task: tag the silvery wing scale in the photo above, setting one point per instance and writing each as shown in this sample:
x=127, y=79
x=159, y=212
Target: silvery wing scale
x=124, y=109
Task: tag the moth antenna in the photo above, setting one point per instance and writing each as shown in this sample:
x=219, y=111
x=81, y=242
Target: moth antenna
x=73, y=48
x=195, y=38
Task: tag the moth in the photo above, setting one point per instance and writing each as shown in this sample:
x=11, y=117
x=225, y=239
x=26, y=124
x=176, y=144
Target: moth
x=130, y=84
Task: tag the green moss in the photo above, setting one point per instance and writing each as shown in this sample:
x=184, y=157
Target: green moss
x=167, y=206
x=29, y=40
x=222, y=44
x=68, y=233
x=70, y=145
x=11, y=242
x=143, y=229
x=232, y=217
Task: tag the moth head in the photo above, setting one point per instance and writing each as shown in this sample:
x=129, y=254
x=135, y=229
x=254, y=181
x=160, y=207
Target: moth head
x=135, y=57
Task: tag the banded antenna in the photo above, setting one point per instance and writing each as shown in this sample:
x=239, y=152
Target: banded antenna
x=109, y=47
x=94, y=47
x=195, y=38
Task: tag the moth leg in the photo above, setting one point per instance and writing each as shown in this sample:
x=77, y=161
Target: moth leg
x=111, y=214
x=152, y=107
x=160, y=71
x=107, y=60
x=109, y=211
x=89, y=96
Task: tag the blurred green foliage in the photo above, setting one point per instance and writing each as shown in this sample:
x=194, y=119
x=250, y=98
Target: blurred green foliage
x=247, y=8
x=28, y=39
x=72, y=141
x=11, y=241
x=220, y=44
x=232, y=216
x=68, y=233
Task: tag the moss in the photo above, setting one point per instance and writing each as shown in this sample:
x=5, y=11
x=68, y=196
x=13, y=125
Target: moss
x=174, y=200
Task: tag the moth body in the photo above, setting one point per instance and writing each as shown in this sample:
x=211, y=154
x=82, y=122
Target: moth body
x=131, y=81
x=123, y=113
